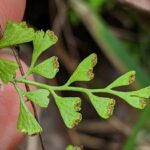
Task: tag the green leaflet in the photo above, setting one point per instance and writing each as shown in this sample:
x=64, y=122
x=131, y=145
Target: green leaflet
x=39, y=97
x=143, y=93
x=84, y=71
x=26, y=121
x=69, y=107
x=47, y=68
x=103, y=106
x=42, y=41
x=123, y=80
x=7, y=70
x=137, y=99
x=133, y=99
x=16, y=33
x=70, y=147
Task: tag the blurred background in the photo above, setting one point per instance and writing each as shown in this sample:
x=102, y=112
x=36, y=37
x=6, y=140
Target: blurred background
x=118, y=31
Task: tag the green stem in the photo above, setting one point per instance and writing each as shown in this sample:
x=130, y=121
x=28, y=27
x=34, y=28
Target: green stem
x=64, y=87
x=20, y=93
x=29, y=71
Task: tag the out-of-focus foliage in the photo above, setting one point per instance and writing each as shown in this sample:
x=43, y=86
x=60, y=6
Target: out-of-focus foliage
x=96, y=5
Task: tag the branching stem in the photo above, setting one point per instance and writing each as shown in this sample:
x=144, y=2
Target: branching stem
x=66, y=88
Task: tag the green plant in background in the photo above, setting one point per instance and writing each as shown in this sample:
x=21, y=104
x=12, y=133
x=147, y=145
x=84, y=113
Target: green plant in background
x=69, y=107
x=96, y=5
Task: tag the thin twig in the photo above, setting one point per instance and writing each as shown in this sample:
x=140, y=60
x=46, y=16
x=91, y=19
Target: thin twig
x=27, y=89
x=71, y=41
x=61, y=17
x=1, y=32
